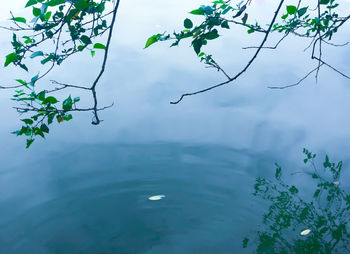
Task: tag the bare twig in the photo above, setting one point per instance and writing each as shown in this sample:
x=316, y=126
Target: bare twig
x=299, y=82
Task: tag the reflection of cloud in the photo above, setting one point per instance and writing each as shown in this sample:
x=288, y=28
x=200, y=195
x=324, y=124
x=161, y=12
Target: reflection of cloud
x=244, y=114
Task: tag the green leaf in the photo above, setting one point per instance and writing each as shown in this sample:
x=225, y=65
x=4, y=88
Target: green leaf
x=278, y=172
x=35, y=54
x=19, y=19
x=55, y=2
x=44, y=128
x=188, y=23
x=59, y=119
x=37, y=131
x=68, y=117
x=245, y=242
x=197, y=45
x=36, y=12
x=245, y=18
x=10, y=58
x=41, y=95
x=22, y=82
x=47, y=59
x=302, y=11
x=293, y=190
x=33, y=80
x=291, y=9
x=212, y=35
x=27, y=121
x=225, y=25
x=67, y=103
x=30, y=3
x=48, y=15
x=81, y=48
x=227, y=10
x=76, y=99
x=93, y=53
x=324, y=2
x=99, y=46
x=152, y=39
x=207, y=9
x=198, y=12
x=85, y=39
x=50, y=117
x=285, y=16
x=51, y=100
x=29, y=142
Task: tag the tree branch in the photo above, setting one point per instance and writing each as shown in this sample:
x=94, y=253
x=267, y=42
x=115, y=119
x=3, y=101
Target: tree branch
x=246, y=67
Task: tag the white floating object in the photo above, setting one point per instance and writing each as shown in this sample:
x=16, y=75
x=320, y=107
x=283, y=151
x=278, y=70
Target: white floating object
x=157, y=197
x=336, y=183
x=305, y=232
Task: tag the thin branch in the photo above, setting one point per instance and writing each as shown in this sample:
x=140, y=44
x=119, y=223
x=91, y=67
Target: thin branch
x=246, y=67
x=298, y=83
x=96, y=121
x=273, y=47
x=334, y=69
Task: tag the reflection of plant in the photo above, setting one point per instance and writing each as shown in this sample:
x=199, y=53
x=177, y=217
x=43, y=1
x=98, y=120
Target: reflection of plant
x=326, y=214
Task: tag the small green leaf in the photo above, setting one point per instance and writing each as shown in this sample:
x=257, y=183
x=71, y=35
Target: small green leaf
x=324, y=2
x=212, y=35
x=68, y=117
x=67, y=103
x=27, y=121
x=10, y=58
x=81, y=48
x=152, y=39
x=22, y=82
x=285, y=16
x=225, y=25
x=59, y=119
x=245, y=18
x=51, y=100
x=99, y=46
x=85, y=39
x=47, y=59
x=36, y=12
x=29, y=142
x=198, y=12
x=44, y=128
x=30, y=3
x=188, y=23
x=291, y=9
x=33, y=80
x=19, y=19
x=39, y=132
x=35, y=54
x=197, y=45
x=302, y=11
x=93, y=53
x=41, y=95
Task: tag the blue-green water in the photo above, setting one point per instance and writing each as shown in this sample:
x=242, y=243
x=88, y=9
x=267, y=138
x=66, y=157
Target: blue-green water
x=94, y=199
x=73, y=193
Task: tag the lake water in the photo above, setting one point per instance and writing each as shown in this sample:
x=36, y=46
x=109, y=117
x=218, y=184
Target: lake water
x=86, y=189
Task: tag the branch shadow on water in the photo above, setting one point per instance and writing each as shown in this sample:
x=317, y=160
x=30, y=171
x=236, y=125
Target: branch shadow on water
x=297, y=223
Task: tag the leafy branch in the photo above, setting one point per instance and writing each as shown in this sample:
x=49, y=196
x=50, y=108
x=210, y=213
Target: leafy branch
x=318, y=25
x=72, y=26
